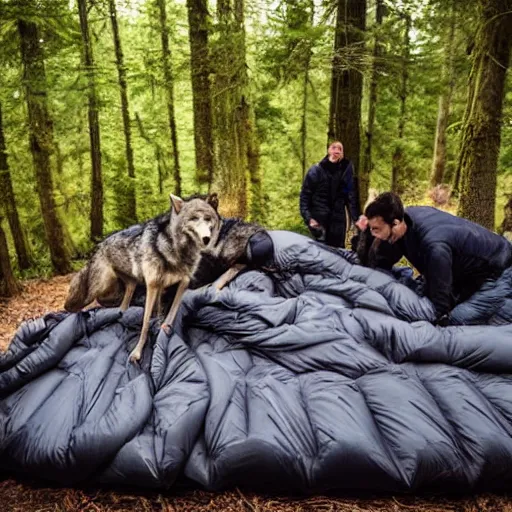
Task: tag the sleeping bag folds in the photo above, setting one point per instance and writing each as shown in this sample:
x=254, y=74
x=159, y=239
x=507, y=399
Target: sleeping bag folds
x=320, y=374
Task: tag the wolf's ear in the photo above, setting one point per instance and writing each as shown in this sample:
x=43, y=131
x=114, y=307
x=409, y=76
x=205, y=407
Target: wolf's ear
x=176, y=203
x=213, y=200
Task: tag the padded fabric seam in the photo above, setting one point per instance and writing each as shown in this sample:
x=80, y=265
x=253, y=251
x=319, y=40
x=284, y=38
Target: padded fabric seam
x=247, y=420
x=499, y=408
x=453, y=429
x=308, y=415
x=389, y=450
x=480, y=393
x=467, y=457
x=44, y=401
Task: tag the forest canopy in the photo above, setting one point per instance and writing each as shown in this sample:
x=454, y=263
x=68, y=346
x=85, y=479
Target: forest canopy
x=107, y=106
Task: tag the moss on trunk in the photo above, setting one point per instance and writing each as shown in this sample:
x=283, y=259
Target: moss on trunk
x=482, y=122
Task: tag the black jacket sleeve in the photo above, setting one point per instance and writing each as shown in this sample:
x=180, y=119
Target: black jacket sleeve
x=306, y=194
x=438, y=277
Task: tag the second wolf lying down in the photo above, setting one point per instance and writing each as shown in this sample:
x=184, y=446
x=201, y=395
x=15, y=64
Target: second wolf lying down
x=239, y=245
x=159, y=253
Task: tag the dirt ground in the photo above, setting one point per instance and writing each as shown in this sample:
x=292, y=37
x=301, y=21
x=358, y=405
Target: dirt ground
x=38, y=297
x=24, y=497
x=43, y=296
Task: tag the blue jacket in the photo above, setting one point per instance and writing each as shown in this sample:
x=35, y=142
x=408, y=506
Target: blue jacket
x=454, y=255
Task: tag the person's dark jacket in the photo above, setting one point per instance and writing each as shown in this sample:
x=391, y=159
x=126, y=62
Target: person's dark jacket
x=454, y=255
x=327, y=189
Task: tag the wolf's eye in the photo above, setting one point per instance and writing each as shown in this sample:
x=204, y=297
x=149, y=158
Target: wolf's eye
x=207, y=218
x=195, y=218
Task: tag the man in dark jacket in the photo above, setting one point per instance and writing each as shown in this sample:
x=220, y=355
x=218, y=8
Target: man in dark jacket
x=327, y=190
x=454, y=255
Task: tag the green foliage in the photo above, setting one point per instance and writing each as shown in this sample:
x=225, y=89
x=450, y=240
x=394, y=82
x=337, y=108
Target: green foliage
x=280, y=38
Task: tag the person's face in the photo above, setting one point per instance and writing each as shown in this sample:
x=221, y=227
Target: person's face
x=380, y=229
x=335, y=152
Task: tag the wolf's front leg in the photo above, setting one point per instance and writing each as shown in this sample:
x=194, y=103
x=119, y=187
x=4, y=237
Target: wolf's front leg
x=158, y=309
x=152, y=292
x=128, y=294
x=175, y=304
x=229, y=275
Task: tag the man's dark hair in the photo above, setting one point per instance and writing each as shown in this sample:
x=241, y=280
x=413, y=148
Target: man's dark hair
x=388, y=206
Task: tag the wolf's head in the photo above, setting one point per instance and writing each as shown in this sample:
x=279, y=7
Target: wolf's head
x=196, y=218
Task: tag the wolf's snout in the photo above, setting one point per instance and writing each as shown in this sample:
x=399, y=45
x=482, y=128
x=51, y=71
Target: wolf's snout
x=204, y=232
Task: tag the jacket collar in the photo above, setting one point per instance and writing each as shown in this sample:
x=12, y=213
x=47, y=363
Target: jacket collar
x=329, y=166
x=408, y=221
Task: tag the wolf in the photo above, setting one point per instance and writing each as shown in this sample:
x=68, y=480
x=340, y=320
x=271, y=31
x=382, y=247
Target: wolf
x=232, y=252
x=158, y=253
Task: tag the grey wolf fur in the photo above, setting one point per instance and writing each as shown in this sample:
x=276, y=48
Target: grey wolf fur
x=220, y=262
x=223, y=260
x=159, y=253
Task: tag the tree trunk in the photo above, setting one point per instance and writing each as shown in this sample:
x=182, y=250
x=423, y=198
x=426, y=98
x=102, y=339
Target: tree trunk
x=9, y=286
x=8, y=203
x=59, y=159
x=305, y=98
x=304, y=121
x=60, y=191
x=398, y=178
x=439, y=161
x=251, y=146
x=169, y=89
x=96, y=213
x=41, y=141
x=482, y=121
x=364, y=179
x=456, y=182
x=347, y=80
x=198, y=20
x=231, y=137
x=79, y=152
x=128, y=204
x=160, y=168
x=158, y=152
x=506, y=225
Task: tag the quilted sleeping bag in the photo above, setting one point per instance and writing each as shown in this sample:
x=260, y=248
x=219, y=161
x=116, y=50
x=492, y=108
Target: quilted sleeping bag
x=320, y=374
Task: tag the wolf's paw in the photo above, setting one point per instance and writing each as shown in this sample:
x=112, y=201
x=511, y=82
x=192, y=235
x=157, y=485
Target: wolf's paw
x=134, y=356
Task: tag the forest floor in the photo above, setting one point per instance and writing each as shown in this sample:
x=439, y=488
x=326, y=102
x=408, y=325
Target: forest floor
x=42, y=296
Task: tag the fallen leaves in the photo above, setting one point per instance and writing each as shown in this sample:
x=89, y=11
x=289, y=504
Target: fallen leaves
x=24, y=497
x=38, y=297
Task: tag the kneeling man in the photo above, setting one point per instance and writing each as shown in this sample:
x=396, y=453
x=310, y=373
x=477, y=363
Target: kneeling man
x=454, y=255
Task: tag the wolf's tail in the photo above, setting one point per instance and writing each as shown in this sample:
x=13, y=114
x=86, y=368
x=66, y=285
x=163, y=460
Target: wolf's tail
x=78, y=294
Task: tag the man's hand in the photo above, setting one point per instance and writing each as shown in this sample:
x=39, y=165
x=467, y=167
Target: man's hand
x=362, y=222
x=314, y=224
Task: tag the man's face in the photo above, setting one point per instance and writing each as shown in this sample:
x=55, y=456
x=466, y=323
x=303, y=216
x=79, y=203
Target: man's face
x=335, y=152
x=380, y=229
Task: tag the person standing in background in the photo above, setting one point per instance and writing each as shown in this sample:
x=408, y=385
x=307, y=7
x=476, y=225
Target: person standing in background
x=328, y=189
